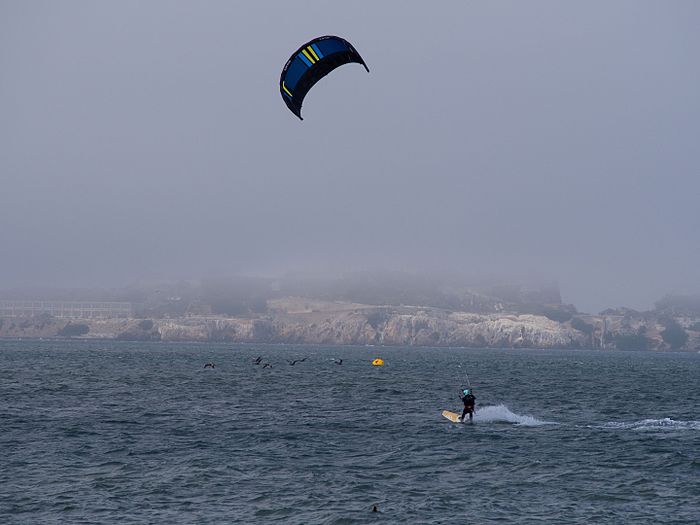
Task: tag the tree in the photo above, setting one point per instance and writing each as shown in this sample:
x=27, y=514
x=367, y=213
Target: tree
x=673, y=334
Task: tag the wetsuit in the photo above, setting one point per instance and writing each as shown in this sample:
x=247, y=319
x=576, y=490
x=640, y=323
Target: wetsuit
x=468, y=401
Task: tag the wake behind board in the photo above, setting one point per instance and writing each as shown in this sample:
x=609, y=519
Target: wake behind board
x=451, y=416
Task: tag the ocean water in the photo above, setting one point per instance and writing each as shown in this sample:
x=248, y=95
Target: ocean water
x=121, y=433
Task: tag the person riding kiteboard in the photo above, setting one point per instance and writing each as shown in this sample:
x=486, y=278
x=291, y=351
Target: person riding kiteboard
x=467, y=397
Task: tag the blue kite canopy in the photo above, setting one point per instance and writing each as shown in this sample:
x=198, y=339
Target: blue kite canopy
x=310, y=63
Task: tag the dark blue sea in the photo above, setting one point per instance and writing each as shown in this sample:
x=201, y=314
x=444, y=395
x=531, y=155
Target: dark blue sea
x=121, y=433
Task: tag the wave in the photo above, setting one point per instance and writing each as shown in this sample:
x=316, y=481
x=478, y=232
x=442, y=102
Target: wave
x=647, y=425
x=501, y=414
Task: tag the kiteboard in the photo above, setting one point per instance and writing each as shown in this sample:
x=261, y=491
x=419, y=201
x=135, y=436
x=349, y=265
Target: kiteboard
x=451, y=416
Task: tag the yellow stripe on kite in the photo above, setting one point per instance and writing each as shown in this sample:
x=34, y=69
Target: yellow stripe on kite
x=313, y=53
x=306, y=54
x=286, y=90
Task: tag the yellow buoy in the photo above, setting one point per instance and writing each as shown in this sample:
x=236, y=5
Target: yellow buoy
x=378, y=362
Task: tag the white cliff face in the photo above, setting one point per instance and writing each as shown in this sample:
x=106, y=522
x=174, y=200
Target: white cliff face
x=421, y=328
x=306, y=322
x=527, y=331
x=460, y=329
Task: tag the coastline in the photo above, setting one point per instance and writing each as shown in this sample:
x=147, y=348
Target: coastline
x=339, y=324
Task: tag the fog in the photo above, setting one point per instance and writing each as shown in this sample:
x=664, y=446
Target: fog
x=553, y=141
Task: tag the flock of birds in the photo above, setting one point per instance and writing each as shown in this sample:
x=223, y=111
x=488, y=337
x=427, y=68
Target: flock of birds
x=258, y=361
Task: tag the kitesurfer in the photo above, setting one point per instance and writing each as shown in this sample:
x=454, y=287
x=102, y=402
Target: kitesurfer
x=467, y=397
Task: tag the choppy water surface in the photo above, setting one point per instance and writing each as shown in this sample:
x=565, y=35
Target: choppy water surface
x=97, y=432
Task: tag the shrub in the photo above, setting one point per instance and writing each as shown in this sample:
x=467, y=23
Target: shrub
x=377, y=318
x=74, y=330
x=43, y=319
x=631, y=342
x=556, y=314
x=581, y=325
x=137, y=335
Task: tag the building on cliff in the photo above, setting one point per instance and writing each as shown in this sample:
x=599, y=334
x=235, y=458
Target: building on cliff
x=66, y=309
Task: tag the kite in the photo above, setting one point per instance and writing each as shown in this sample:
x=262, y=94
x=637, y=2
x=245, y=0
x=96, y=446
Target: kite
x=310, y=63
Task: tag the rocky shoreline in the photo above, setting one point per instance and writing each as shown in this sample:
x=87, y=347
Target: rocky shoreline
x=301, y=321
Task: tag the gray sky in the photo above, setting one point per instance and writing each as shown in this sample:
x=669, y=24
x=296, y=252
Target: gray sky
x=550, y=140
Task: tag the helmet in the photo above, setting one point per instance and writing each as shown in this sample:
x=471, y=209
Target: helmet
x=466, y=391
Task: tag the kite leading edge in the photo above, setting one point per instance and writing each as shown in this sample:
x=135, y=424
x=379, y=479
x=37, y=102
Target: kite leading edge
x=310, y=63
